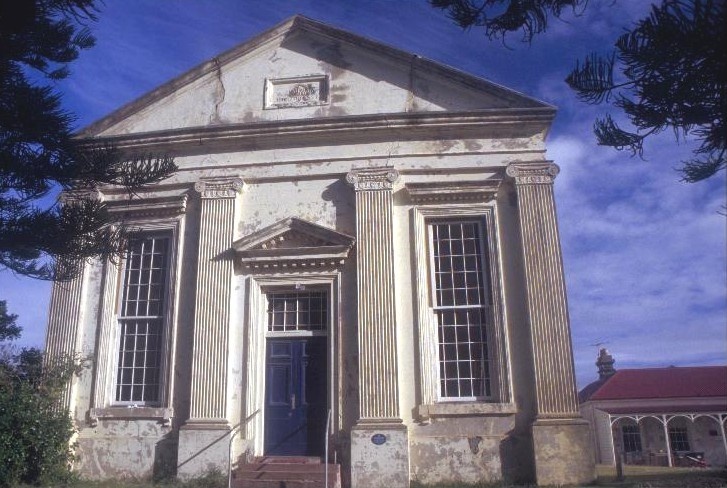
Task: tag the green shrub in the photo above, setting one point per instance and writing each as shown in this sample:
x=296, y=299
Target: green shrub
x=35, y=429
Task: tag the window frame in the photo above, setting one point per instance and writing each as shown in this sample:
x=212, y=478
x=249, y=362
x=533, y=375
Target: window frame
x=431, y=402
x=164, y=324
x=168, y=217
x=682, y=432
x=634, y=434
x=286, y=332
x=486, y=307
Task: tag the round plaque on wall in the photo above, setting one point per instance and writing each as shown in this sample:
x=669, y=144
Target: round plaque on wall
x=378, y=439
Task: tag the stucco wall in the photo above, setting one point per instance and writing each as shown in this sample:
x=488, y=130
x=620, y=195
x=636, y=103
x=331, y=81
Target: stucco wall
x=126, y=449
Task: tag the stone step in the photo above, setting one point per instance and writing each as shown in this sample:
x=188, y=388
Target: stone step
x=283, y=484
x=287, y=460
x=286, y=468
x=286, y=472
x=284, y=475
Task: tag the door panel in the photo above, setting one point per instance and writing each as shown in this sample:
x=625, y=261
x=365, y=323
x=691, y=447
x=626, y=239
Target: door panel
x=295, y=400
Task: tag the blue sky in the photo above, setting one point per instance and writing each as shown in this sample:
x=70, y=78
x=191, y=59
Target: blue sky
x=645, y=255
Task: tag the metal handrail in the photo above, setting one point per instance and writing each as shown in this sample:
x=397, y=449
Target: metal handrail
x=328, y=434
x=236, y=430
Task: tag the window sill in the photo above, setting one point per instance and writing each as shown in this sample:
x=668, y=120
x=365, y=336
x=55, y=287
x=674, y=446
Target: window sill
x=164, y=415
x=465, y=409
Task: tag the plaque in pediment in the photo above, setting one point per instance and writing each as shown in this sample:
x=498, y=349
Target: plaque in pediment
x=299, y=91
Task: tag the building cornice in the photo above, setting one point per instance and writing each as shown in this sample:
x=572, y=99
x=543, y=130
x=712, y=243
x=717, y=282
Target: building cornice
x=441, y=125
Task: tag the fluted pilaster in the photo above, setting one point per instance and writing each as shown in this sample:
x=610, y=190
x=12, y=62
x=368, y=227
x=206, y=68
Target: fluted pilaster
x=546, y=293
x=106, y=357
x=64, y=317
x=66, y=300
x=212, y=299
x=378, y=385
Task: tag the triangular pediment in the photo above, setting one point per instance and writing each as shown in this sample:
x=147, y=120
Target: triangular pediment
x=293, y=243
x=302, y=70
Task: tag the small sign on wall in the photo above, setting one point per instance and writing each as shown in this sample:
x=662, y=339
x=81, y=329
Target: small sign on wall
x=378, y=439
x=298, y=91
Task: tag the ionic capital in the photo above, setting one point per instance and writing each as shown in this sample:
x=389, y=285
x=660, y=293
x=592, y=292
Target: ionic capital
x=219, y=187
x=533, y=173
x=373, y=178
x=70, y=196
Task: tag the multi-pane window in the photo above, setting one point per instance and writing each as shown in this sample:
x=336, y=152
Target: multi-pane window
x=141, y=321
x=631, y=438
x=678, y=439
x=294, y=311
x=460, y=305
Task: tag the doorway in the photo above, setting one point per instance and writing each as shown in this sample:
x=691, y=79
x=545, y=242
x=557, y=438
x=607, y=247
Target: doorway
x=295, y=403
x=296, y=374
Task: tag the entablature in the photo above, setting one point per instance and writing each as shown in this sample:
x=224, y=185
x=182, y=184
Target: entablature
x=158, y=207
x=461, y=191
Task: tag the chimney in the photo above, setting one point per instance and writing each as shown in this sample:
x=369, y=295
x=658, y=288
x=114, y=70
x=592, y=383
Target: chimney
x=605, y=364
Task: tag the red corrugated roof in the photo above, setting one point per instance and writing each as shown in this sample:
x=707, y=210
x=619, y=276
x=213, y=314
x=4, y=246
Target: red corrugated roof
x=672, y=382
x=669, y=409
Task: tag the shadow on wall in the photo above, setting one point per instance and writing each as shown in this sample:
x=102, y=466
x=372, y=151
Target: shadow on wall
x=517, y=458
x=165, y=457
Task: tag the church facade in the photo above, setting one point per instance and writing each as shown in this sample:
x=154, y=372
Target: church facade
x=358, y=256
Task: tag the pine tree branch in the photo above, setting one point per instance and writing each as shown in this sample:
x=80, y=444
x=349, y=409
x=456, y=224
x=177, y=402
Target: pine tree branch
x=697, y=169
x=500, y=17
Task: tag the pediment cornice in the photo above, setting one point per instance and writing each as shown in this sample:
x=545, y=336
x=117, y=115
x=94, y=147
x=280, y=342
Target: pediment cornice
x=299, y=26
x=293, y=244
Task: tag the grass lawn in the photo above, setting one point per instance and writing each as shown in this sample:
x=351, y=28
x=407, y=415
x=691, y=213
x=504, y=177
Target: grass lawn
x=662, y=477
x=634, y=477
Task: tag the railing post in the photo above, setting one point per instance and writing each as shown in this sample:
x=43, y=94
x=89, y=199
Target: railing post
x=328, y=435
x=233, y=433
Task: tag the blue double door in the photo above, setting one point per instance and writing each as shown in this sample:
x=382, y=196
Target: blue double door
x=295, y=396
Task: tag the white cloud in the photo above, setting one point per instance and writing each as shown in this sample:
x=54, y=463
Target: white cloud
x=644, y=256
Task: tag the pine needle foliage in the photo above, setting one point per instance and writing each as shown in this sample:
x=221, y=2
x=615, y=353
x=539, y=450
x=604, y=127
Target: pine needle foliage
x=666, y=72
x=500, y=17
x=673, y=70
x=9, y=329
x=40, y=236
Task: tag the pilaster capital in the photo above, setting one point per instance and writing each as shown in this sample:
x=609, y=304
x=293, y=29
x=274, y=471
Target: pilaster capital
x=70, y=196
x=533, y=173
x=219, y=187
x=373, y=178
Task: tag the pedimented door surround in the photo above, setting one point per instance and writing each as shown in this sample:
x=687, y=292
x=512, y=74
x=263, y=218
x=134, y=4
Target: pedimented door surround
x=290, y=254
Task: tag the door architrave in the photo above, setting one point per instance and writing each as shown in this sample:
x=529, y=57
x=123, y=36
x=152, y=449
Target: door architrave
x=255, y=346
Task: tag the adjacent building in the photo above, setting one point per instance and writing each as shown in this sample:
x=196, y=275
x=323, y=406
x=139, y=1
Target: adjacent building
x=657, y=416
x=360, y=247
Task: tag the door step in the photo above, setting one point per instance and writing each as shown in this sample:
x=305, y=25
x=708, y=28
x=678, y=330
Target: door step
x=287, y=460
x=286, y=472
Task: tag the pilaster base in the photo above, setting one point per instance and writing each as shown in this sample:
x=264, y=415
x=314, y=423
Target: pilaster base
x=203, y=448
x=563, y=452
x=379, y=456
